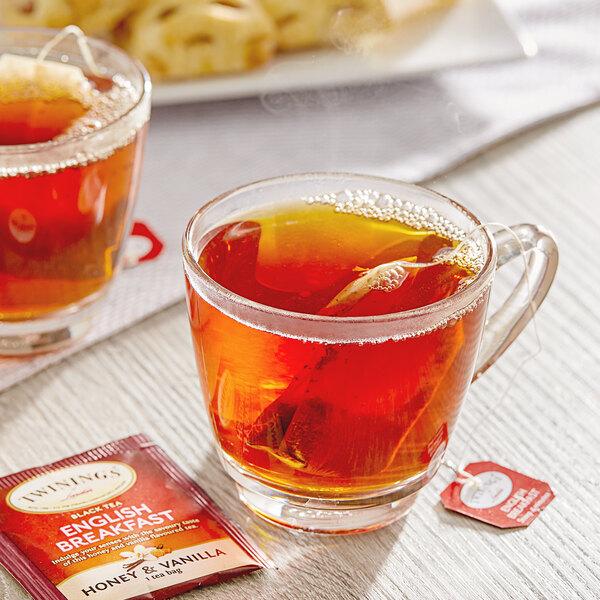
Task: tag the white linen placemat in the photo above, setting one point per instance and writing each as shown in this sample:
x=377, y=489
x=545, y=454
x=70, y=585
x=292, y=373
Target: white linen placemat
x=411, y=130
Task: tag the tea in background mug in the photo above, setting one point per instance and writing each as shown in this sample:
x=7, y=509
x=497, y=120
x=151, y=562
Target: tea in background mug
x=69, y=174
x=335, y=344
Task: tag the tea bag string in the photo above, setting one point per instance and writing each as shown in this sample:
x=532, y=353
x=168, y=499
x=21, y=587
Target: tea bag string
x=461, y=475
x=459, y=471
x=82, y=42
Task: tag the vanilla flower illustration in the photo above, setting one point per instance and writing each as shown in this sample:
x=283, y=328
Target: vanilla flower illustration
x=139, y=553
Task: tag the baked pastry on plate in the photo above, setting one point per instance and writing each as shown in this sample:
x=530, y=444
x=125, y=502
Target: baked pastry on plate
x=186, y=38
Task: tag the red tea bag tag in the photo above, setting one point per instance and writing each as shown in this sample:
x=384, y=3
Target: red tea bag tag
x=498, y=496
x=143, y=245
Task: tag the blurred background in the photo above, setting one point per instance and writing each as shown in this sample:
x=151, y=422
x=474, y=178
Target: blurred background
x=248, y=89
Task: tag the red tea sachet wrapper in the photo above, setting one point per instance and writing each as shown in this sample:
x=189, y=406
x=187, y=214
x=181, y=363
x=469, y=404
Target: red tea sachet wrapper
x=118, y=522
x=499, y=496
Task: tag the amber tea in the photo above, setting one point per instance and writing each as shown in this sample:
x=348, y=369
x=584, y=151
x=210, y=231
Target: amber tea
x=61, y=227
x=73, y=115
x=338, y=320
x=321, y=418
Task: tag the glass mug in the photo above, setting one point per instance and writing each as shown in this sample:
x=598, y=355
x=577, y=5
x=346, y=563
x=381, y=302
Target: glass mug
x=66, y=204
x=334, y=423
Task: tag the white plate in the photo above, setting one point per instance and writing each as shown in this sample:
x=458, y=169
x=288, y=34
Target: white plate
x=471, y=32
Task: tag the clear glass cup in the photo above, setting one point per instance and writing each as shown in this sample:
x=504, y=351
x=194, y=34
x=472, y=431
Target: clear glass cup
x=382, y=457
x=66, y=205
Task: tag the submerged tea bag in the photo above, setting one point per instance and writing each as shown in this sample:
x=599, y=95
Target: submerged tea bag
x=297, y=427
x=310, y=411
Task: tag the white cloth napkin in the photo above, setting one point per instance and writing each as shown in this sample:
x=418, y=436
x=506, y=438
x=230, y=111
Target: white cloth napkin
x=410, y=130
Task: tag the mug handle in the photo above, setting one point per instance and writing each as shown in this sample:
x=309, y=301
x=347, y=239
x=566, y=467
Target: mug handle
x=504, y=326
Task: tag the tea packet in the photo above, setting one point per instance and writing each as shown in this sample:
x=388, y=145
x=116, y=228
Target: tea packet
x=118, y=522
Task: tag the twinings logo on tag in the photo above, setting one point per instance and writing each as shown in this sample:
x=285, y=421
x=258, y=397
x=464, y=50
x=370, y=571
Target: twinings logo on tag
x=72, y=487
x=495, y=487
x=499, y=496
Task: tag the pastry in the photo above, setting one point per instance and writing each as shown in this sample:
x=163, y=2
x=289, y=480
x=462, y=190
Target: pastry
x=36, y=13
x=316, y=23
x=186, y=38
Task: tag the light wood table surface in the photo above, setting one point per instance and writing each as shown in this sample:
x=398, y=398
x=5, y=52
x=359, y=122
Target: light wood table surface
x=144, y=380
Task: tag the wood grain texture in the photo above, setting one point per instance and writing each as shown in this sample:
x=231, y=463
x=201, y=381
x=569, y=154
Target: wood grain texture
x=144, y=379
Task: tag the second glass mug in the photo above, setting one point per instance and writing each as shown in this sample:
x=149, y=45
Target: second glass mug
x=371, y=455
x=66, y=205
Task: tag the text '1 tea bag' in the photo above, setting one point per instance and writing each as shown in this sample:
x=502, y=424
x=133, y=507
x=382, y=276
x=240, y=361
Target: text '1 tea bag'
x=498, y=496
x=118, y=522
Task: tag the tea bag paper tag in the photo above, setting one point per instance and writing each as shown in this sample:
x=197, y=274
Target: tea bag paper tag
x=499, y=496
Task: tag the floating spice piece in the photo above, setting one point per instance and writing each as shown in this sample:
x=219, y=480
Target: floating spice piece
x=387, y=277
x=118, y=522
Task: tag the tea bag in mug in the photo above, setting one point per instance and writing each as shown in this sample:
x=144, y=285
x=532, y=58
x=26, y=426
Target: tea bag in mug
x=311, y=409
x=27, y=84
